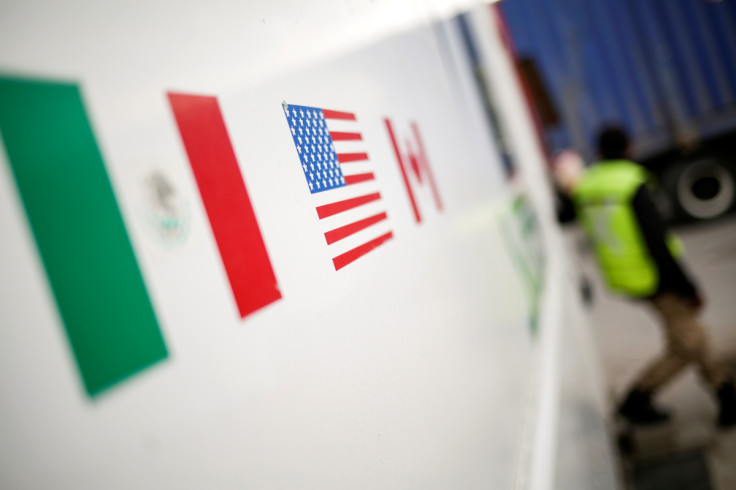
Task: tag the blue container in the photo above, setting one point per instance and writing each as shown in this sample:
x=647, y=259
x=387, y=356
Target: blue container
x=665, y=69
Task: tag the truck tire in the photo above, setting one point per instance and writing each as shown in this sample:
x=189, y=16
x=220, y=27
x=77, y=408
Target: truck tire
x=702, y=188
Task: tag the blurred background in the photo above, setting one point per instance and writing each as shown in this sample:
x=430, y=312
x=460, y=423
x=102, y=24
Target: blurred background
x=666, y=72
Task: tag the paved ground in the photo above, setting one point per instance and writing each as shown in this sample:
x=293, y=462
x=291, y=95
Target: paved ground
x=628, y=338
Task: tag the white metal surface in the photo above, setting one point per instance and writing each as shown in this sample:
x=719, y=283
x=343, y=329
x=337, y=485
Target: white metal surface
x=413, y=367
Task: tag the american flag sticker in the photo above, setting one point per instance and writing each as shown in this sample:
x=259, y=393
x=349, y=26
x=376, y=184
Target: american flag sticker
x=337, y=168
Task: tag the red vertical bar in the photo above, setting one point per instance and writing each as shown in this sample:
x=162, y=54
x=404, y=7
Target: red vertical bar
x=226, y=201
x=400, y=159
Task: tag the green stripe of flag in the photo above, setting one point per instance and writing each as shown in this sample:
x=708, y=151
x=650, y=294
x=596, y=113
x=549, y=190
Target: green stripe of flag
x=79, y=231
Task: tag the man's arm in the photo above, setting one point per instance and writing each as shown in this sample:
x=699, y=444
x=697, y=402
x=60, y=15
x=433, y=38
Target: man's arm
x=672, y=277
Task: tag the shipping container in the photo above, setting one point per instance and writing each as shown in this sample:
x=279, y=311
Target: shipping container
x=665, y=70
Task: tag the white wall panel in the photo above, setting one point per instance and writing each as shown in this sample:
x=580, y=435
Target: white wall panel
x=409, y=368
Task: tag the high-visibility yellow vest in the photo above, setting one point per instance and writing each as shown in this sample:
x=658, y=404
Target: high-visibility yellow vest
x=603, y=202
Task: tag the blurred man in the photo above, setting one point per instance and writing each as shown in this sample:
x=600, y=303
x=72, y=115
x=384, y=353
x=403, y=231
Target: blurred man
x=639, y=259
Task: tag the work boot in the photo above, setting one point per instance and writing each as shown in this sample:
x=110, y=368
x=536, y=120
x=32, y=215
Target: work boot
x=637, y=408
x=727, y=403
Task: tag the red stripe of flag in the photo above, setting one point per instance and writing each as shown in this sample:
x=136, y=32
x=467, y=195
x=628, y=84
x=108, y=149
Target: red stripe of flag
x=347, y=116
x=357, y=178
x=343, y=136
x=352, y=255
x=226, y=201
x=345, y=231
x=351, y=157
x=338, y=207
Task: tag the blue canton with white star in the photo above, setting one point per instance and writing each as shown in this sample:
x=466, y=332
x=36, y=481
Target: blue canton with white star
x=315, y=147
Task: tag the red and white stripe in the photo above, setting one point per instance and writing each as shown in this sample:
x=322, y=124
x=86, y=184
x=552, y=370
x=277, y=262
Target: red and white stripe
x=353, y=217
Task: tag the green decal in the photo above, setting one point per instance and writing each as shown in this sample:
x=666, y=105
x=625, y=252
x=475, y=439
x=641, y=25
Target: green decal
x=521, y=233
x=79, y=231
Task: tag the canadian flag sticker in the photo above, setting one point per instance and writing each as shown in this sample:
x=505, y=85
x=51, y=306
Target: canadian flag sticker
x=414, y=165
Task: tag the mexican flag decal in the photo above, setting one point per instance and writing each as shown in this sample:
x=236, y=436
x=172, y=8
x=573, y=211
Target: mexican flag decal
x=79, y=231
